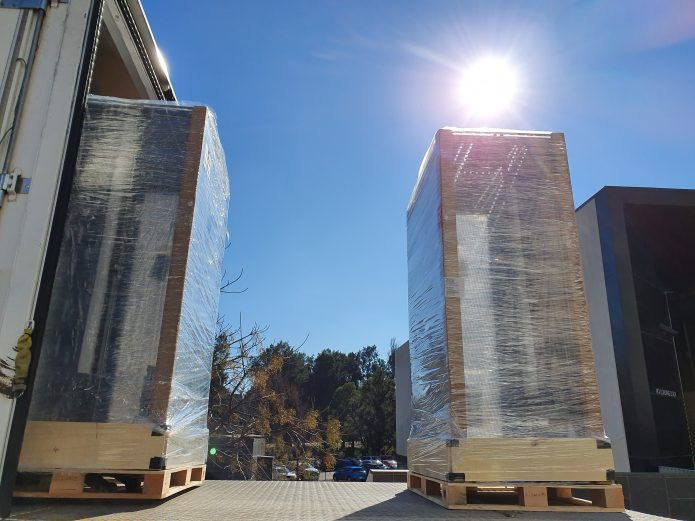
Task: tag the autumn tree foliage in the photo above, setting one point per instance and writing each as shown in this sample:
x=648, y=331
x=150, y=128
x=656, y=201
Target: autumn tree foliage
x=256, y=391
x=303, y=407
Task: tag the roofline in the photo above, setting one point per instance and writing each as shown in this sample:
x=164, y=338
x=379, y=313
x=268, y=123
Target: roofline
x=631, y=188
x=486, y=131
x=150, y=44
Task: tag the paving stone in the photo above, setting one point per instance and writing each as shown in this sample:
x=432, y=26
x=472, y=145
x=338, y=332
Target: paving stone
x=288, y=501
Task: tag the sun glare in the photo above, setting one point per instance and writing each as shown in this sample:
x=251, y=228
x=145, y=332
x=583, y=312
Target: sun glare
x=489, y=86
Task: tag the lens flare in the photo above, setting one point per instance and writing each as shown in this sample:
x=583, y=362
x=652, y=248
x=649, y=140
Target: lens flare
x=489, y=86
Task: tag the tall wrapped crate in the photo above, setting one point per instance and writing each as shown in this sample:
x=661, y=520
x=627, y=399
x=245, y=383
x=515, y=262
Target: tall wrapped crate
x=124, y=373
x=503, y=380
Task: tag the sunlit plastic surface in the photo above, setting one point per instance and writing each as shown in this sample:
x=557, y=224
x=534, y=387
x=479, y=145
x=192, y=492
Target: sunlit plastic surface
x=499, y=335
x=139, y=272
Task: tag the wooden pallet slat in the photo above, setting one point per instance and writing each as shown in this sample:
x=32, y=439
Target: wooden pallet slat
x=541, y=496
x=108, y=484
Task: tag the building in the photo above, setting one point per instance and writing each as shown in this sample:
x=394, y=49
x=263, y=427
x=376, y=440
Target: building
x=638, y=259
x=402, y=375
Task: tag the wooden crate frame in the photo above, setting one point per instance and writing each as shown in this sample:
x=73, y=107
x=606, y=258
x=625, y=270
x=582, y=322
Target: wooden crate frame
x=538, y=497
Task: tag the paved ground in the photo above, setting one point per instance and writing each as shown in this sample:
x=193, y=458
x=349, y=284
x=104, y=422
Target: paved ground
x=280, y=501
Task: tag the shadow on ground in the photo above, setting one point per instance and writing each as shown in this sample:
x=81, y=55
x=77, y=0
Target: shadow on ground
x=73, y=510
x=406, y=506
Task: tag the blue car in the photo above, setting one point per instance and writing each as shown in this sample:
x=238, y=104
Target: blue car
x=350, y=473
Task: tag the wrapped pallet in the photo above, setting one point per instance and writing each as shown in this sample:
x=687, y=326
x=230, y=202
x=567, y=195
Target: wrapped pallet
x=124, y=373
x=503, y=379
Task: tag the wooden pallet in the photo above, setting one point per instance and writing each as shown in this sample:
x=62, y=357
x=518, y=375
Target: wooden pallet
x=537, y=496
x=107, y=484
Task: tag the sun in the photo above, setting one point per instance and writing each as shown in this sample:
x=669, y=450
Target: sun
x=489, y=86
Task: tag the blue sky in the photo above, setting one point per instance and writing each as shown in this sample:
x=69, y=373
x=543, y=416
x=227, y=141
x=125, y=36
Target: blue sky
x=325, y=110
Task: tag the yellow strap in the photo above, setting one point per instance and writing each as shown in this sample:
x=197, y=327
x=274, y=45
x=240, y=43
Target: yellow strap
x=23, y=357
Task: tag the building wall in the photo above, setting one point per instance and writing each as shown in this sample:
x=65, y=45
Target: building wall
x=402, y=399
x=602, y=338
x=636, y=249
x=668, y=495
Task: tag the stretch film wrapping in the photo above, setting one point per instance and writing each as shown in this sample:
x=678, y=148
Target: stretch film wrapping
x=499, y=334
x=132, y=316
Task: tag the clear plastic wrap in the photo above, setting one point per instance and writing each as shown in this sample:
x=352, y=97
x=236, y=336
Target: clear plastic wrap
x=131, y=324
x=499, y=334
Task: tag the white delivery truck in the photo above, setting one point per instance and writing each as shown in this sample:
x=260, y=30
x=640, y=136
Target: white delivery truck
x=52, y=54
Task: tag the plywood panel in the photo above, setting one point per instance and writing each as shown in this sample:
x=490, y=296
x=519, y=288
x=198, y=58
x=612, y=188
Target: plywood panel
x=78, y=445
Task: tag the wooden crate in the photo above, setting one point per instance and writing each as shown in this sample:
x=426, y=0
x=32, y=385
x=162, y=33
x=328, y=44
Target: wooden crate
x=512, y=459
x=500, y=342
x=537, y=496
x=554, y=170
x=107, y=393
x=107, y=484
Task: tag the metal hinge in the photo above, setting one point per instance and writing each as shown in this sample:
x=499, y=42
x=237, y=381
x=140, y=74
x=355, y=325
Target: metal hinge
x=11, y=184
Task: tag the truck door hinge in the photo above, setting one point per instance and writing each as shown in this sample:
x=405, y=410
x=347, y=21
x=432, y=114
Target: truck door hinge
x=11, y=184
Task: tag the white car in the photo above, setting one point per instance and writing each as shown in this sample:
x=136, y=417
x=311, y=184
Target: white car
x=282, y=473
x=307, y=472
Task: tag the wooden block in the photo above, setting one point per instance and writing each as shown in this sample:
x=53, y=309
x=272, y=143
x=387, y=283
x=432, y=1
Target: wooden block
x=156, y=485
x=414, y=482
x=198, y=474
x=181, y=477
x=560, y=493
x=455, y=495
x=608, y=497
x=66, y=483
x=432, y=488
x=533, y=496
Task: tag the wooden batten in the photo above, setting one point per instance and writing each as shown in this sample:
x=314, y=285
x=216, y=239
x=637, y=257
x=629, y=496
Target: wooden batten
x=166, y=355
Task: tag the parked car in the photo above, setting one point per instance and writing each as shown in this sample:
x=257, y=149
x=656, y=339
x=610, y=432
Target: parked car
x=282, y=473
x=373, y=464
x=389, y=461
x=350, y=473
x=307, y=472
x=347, y=462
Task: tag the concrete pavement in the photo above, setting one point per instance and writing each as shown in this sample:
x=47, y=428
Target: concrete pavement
x=280, y=501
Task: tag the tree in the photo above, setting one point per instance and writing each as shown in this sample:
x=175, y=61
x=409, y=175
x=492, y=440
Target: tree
x=346, y=401
x=330, y=370
x=257, y=390
x=304, y=406
x=376, y=412
x=358, y=390
x=369, y=360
